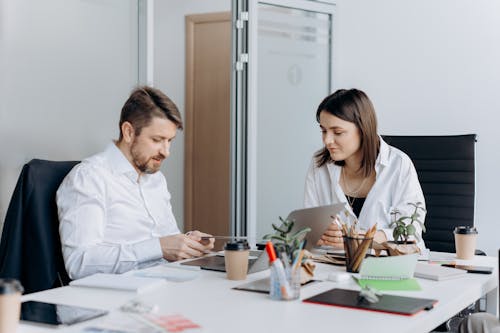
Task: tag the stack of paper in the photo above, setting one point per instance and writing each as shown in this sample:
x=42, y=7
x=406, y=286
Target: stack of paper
x=118, y=281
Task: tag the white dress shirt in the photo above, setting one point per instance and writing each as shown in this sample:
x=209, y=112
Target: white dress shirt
x=395, y=186
x=110, y=218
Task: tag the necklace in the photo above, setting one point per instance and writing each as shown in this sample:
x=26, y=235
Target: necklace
x=350, y=200
x=348, y=191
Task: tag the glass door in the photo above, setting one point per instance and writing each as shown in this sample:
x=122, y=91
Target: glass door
x=289, y=70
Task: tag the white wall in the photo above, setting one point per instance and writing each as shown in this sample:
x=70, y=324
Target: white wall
x=169, y=76
x=66, y=68
x=430, y=67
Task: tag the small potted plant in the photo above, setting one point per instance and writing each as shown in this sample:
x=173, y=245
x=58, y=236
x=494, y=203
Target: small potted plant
x=289, y=250
x=404, y=231
x=285, y=242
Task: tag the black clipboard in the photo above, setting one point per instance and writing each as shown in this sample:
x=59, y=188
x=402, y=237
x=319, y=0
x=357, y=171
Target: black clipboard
x=387, y=303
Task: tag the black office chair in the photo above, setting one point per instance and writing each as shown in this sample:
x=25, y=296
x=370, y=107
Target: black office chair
x=445, y=168
x=30, y=249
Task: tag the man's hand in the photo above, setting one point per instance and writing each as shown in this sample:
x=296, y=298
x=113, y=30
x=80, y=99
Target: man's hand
x=332, y=236
x=184, y=246
x=197, y=236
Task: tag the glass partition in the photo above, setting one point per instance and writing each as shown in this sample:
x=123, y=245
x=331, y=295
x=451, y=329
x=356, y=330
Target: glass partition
x=293, y=74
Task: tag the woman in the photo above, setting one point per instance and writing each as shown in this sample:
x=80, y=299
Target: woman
x=358, y=168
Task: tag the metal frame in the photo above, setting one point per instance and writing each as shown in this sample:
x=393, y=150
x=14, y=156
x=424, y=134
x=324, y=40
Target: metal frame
x=145, y=10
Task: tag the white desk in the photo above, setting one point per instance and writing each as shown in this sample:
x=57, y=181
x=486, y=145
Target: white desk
x=210, y=302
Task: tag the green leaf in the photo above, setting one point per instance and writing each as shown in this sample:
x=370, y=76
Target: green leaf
x=398, y=232
x=395, y=234
x=300, y=233
x=410, y=230
x=278, y=237
x=278, y=229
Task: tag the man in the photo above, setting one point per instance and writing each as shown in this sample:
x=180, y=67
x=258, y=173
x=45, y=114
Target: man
x=114, y=207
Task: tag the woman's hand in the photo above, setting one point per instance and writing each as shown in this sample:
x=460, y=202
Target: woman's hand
x=332, y=236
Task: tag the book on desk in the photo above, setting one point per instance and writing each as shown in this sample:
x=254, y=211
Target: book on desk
x=437, y=272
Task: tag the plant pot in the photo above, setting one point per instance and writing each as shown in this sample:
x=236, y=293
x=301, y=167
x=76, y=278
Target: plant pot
x=397, y=248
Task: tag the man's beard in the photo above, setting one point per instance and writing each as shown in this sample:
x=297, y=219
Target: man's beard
x=141, y=162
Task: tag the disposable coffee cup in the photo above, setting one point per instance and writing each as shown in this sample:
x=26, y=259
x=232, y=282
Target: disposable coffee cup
x=236, y=257
x=10, y=305
x=465, y=242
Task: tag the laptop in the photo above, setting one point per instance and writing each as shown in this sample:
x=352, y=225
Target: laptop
x=257, y=261
x=317, y=218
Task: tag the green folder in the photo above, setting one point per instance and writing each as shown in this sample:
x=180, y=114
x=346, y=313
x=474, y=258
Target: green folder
x=404, y=284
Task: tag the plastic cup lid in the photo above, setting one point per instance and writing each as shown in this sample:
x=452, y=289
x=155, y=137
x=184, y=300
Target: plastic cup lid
x=240, y=245
x=465, y=230
x=10, y=286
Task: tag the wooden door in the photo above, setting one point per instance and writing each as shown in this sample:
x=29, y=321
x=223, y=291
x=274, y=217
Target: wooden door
x=207, y=133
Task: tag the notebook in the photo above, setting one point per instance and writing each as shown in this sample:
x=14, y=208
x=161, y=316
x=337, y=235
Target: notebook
x=384, y=285
x=388, y=268
x=437, y=272
x=118, y=282
x=389, y=273
x=387, y=303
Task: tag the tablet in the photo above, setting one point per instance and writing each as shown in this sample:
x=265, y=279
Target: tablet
x=387, y=303
x=57, y=314
x=318, y=219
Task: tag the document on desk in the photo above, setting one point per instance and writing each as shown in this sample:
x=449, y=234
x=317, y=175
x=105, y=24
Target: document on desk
x=118, y=282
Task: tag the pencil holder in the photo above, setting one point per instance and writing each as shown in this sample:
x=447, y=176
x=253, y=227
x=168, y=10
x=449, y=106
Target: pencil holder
x=285, y=287
x=356, y=249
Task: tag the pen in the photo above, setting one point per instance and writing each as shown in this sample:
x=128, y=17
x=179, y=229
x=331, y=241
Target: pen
x=184, y=267
x=223, y=237
x=298, y=262
x=277, y=265
x=298, y=258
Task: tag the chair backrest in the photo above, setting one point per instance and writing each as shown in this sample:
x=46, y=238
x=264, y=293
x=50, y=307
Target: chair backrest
x=445, y=167
x=30, y=249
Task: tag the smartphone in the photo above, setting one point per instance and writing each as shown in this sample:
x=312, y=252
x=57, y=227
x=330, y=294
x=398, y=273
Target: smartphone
x=57, y=314
x=472, y=269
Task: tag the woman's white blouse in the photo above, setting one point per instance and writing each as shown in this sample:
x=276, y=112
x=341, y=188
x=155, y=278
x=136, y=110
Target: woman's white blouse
x=395, y=186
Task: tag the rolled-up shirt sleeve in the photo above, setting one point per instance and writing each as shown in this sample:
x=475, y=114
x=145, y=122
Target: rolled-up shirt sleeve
x=81, y=201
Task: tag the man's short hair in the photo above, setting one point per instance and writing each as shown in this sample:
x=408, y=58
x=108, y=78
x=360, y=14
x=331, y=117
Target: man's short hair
x=144, y=104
